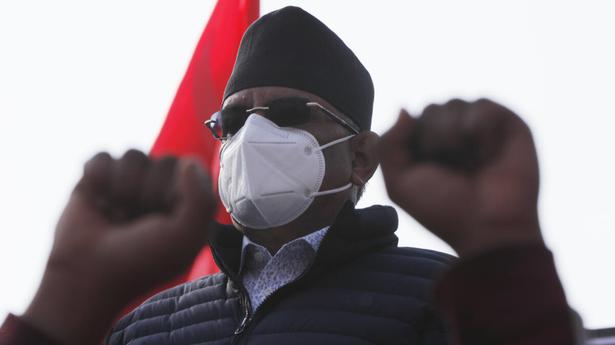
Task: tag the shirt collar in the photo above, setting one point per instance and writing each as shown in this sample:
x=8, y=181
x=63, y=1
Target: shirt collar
x=313, y=239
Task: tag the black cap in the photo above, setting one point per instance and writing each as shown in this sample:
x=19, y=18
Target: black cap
x=291, y=48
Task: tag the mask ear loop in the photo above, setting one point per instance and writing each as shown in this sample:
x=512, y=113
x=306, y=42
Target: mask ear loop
x=337, y=141
x=331, y=191
x=339, y=189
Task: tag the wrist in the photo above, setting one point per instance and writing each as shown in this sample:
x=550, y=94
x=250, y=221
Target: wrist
x=485, y=239
x=69, y=308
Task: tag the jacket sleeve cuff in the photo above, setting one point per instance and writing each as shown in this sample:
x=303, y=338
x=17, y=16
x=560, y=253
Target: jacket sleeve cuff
x=16, y=331
x=506, y=296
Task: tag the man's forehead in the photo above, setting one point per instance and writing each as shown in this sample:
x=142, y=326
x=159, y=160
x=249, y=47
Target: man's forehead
x=258, y=96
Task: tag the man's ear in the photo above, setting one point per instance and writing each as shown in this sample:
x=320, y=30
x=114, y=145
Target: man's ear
x=364, y=157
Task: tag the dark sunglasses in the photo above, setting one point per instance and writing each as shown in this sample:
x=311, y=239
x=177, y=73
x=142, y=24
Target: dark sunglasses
x=284, y=112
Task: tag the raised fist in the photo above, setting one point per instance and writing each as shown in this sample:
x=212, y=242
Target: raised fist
x=467, y=171
x=130, y=224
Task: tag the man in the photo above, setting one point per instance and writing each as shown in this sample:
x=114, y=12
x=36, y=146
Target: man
x=467, y=171
x=120, y=220
x=300, y=264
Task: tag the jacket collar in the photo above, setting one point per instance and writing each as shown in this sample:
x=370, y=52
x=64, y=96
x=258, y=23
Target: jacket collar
x=354, y=232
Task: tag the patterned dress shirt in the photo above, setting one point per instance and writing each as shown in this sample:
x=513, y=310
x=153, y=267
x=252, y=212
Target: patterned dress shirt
x=263, y=274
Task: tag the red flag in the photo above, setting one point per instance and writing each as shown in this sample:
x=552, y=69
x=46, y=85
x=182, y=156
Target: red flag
x=200, y=95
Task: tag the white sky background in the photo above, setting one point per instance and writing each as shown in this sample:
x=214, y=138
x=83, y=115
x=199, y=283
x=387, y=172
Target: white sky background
x=77, y=77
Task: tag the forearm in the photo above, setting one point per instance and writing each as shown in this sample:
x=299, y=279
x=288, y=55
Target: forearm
x=16, y=331
x=69, y=310
x=506, y=296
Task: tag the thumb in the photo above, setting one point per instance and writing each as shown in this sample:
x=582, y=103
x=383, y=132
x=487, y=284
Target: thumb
x=196, y=203
x=394, y=146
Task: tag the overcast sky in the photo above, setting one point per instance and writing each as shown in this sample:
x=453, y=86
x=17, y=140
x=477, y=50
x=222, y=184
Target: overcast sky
x=77, y=77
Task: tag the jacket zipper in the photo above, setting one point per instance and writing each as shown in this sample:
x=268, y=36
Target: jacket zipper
x=245, y=303
x=248, y=317
x=244, y=300
x=246, y=322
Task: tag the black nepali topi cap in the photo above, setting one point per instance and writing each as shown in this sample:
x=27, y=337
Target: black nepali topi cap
x=291, y=48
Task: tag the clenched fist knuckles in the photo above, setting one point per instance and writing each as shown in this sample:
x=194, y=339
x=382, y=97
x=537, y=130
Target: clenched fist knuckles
x=130, y=225
x=136, y=221
x=467, y=171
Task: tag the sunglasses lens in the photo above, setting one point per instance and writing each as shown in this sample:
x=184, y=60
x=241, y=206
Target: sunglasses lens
x=214, y=125
x=231, y=120
x=287, y=112
x=284, y=112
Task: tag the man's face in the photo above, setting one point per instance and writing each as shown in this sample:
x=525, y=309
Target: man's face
x=338, y=158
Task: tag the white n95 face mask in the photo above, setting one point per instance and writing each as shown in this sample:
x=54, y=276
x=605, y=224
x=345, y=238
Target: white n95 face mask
x=269, y=175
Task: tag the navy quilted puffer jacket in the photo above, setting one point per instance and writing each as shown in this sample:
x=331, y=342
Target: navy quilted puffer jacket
x=361, y=289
